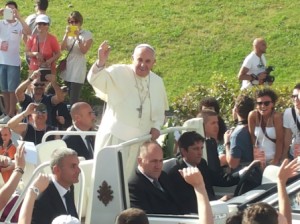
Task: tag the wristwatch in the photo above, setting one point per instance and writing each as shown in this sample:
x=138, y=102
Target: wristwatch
x=35, y=190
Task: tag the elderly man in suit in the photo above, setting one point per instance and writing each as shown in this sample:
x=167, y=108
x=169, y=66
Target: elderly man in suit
x=149, y=186
x=58, y=198
x=83, y=118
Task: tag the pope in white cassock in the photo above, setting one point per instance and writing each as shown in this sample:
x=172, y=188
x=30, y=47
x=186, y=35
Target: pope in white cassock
x=135, y=96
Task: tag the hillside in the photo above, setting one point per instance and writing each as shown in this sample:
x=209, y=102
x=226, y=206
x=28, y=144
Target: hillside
x=193, y=39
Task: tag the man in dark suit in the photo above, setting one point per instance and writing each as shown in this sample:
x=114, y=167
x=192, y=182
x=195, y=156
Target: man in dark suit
x=83, y=118
x=191, y=146
x=58, y=198
x=149, y=186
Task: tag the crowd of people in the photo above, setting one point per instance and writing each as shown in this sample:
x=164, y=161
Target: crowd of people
x=136, y=102
x=42, y=51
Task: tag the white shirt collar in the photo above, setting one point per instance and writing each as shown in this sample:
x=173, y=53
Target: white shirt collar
x=188, y=165
x=149, y=178
x=61, y=190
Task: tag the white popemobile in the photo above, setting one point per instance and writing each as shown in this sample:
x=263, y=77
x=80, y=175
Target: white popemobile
x=102, y=191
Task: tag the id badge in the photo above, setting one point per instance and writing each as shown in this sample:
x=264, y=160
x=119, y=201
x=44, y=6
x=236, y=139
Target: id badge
x=4, y=46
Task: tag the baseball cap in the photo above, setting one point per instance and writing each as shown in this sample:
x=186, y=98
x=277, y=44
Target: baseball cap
x=42, y=19
x=41, y=108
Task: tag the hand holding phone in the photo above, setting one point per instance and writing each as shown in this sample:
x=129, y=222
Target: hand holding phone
x=72, y=30
x=44, y=72
x=8, y=14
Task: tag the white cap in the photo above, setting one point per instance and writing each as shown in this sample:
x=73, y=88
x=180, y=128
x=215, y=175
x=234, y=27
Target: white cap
x=65, y=219
x=42, y=19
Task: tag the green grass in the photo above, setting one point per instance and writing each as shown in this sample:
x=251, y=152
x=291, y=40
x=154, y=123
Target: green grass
x=193, y=39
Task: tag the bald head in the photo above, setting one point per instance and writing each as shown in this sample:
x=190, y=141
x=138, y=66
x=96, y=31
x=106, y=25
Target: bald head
x=259, y=46
x=77, y=107
x=83, y=116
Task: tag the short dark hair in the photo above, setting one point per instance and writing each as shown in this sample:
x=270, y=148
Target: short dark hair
x=235, y=219
x=260, y=213
x=244, y=105
x=209, y=102
x=207, y=113
x=132, y=216
x=12, y=3
x=42, y=4
x=297, y=86
x=188, y=139
x=267, y=92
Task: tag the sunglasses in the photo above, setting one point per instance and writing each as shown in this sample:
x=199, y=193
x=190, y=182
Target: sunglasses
x=40, y=112
x=295, y=97
x=39, y=84
x=43, y=24
x=266, y=103
x=73, y=22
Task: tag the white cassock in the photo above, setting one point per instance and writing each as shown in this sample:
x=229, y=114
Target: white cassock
x=134, y=104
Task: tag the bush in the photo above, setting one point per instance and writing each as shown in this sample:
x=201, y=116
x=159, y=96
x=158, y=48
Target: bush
x=225, y=91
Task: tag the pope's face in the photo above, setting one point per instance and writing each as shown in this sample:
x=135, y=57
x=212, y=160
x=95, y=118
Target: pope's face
x=143, y=61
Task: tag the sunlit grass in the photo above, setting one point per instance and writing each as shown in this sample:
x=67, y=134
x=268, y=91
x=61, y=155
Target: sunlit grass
x=193, y=39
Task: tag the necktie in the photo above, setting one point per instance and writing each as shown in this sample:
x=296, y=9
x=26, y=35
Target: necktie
x=89, y=146
x=70, y=204
x=157, y=185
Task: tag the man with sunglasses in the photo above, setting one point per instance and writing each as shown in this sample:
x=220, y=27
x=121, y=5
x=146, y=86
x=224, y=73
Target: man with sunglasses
x=291, y=124
x=38, y=93
x=253, y=70
x=34, y=130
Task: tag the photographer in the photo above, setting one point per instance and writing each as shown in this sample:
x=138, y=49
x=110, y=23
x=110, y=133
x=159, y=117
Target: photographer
x=32, y=131
x=38, y=94
x=254, y=70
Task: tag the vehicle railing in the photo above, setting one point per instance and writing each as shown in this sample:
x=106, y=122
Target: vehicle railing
x=49, y=133
x=25, y=189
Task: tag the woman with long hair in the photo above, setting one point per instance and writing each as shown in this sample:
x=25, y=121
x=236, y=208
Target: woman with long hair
x=266, y=127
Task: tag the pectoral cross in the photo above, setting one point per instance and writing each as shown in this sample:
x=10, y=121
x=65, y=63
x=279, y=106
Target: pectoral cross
x=140, y=110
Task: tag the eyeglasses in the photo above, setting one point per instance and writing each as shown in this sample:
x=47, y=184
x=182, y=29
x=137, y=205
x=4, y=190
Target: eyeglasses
x=73, y=22
x=39, y=84
x=295, y=97
x=42, y=24
x=266, y=103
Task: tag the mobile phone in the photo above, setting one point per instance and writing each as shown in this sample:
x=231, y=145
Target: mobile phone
x=8, y=14
x=72, y=30
x=44, y=72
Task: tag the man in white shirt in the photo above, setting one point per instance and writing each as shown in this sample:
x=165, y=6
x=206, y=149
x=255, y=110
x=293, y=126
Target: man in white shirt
x=11, y=30
x=135, y=96
x=291, y=124
x=253, y=70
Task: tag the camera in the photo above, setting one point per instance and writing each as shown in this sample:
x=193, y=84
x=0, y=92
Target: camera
x=269, y=78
